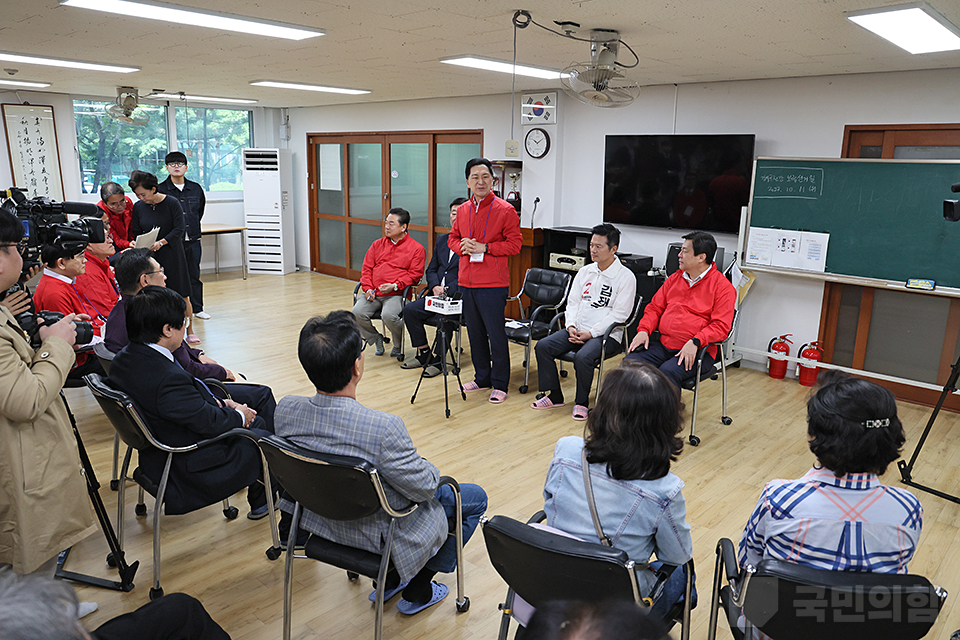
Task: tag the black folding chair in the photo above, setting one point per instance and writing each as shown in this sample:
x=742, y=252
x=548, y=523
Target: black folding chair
x=557, y=325
x=547, y=291
x=541, y=566
x=136, y=434
x=710, y=373
x=342, y=488
x=787, y=601
x=408, y=296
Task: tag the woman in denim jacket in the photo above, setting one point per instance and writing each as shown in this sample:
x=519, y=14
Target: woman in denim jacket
x=631, y=438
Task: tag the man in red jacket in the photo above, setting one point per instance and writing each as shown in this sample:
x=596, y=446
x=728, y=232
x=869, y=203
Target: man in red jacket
x=96, y=284
x=392, y=264
x=486, y=233
x=694, y=307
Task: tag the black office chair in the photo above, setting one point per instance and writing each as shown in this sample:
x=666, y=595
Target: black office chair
x=136, y=434
x=408, y=296
x=105, y=356
x=541, y=566
x=342, y=488
x=547, y=291
x=557, y=325
x=787, y=601
x=710, y=373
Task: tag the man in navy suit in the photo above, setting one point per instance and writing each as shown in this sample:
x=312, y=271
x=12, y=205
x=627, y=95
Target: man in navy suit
x=181, y=411
x=442, y=274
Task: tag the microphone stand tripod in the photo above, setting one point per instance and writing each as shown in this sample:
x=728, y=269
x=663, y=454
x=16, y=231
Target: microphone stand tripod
x=907, y=469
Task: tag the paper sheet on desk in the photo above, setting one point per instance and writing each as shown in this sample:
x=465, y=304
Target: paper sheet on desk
x=146, y=240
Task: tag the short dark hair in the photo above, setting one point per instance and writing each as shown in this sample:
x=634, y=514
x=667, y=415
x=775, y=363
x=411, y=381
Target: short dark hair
x=143, y=179
x=608, y=231
x=853, y=425
x=108, y=189
x=474, y=162
x=329, y=346
x=148, y=312
x=457, y=202
x=50, y=253
x=403, y=216
x=635, y=424
x=175, y=156
x=128, y=268
x=702, y=242
x=11, y=228
x=599, y=620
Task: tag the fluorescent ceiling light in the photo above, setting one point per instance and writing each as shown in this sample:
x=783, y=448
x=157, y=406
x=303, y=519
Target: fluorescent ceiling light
x=197, y=18
x=178, y=96
x=504, y=67
x=24, y=83
x=914, y=27
x=308, y=87
x=70, y=64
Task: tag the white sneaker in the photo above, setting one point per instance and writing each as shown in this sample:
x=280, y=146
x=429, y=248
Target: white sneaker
x=203, y=315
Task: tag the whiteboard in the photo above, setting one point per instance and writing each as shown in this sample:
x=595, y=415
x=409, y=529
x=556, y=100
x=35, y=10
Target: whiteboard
x=32, y=145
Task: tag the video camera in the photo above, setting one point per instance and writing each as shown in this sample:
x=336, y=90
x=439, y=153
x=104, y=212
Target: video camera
x=45, y=222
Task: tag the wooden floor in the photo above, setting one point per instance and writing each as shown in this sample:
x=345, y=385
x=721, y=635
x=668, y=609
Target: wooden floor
x=506, y=449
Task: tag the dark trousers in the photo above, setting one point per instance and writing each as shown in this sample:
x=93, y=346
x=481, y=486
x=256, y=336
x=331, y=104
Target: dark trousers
x=256, y=396
x=584, y=363
x=415, y=316
x=174, y=616
x=92, y=365
x=193, y=250
x=666, y=360
x=489, y=350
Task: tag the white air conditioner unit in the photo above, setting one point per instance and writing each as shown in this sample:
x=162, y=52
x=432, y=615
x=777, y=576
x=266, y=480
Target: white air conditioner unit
x=268, y=211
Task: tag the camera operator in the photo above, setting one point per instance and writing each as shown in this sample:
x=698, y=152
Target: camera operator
x=44, y=507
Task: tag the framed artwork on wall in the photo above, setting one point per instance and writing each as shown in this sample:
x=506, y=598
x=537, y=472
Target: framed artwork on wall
x=32, y=146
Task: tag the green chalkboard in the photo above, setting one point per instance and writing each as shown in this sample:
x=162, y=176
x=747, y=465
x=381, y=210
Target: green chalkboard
x=884, y=217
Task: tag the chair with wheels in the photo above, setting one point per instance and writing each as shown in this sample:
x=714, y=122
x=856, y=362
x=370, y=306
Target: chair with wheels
x=407, y=295
x=136, y=434
x=710, y=373
x=787, y=601
x=539, y=566
x=547, y=291
x=342, y=488
x=557, y=325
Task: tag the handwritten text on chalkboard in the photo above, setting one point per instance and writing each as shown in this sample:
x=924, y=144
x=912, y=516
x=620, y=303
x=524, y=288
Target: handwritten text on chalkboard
x=789, y=182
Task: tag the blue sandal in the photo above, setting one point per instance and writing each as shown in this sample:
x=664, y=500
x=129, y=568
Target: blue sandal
x=440, y=592
x=389, y=593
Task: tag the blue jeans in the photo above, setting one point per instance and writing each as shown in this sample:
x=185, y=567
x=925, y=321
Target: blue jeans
x=473, y=504
x=673, y=591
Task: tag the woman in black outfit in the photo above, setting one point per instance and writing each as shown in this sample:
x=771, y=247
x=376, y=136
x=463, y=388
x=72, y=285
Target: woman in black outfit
x=157, y=210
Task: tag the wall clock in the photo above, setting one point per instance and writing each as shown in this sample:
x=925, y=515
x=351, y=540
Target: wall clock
x=537, y=143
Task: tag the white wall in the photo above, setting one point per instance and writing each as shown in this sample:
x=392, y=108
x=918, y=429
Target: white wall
x=802, y=117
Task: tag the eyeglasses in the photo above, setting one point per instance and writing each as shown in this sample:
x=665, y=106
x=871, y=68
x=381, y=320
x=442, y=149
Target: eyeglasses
x=363, y=345
x=21, y=246
x=117, y=205
x=176, y=164
x=150, y=273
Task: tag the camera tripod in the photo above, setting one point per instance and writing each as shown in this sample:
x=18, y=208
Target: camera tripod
x=906, y=469
x=116, y=558
x=441, y=345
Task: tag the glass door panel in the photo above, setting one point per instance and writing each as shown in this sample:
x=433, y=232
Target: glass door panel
x=366, y=187
x=410, y=179
x=333, y=242
x=451, y=160
x=361, y=237
x=330, y=170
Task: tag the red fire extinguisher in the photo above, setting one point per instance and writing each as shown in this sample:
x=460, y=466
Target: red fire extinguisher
x=814, y=352
x=778, y=368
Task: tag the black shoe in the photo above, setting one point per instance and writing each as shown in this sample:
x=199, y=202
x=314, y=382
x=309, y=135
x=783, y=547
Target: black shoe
x=299, y=544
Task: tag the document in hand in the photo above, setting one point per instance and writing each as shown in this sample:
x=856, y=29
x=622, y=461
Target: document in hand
x=146, y=240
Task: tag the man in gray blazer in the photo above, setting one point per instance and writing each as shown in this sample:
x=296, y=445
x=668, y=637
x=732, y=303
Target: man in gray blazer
x=331, y=351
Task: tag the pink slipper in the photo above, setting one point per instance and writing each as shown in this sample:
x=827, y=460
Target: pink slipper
x=544, y=402
x=580, y=412
x=497, y=396
x=472, y=386
x=193, y=339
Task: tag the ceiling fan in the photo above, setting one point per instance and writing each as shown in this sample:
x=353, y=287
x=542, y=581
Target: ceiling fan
x=599, y=82
x=125, y=106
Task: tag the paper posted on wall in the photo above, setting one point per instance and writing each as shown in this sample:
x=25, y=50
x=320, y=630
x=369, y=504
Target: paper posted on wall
x=804, y=250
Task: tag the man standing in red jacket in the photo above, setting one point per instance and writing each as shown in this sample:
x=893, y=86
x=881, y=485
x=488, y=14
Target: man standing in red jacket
x=392, y=264
x=486, y=233
x=694, y=307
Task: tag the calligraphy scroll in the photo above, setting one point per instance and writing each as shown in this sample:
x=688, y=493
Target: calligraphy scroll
x=32, y=144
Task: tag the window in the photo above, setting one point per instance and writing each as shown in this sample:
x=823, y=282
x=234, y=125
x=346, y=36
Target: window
x=212, y=139
x=216, y=138
x=111, y=150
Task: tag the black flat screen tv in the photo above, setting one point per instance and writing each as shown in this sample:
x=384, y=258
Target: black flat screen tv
x=677, y=181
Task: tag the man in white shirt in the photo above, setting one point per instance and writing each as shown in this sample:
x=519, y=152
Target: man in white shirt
x=603, y=294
